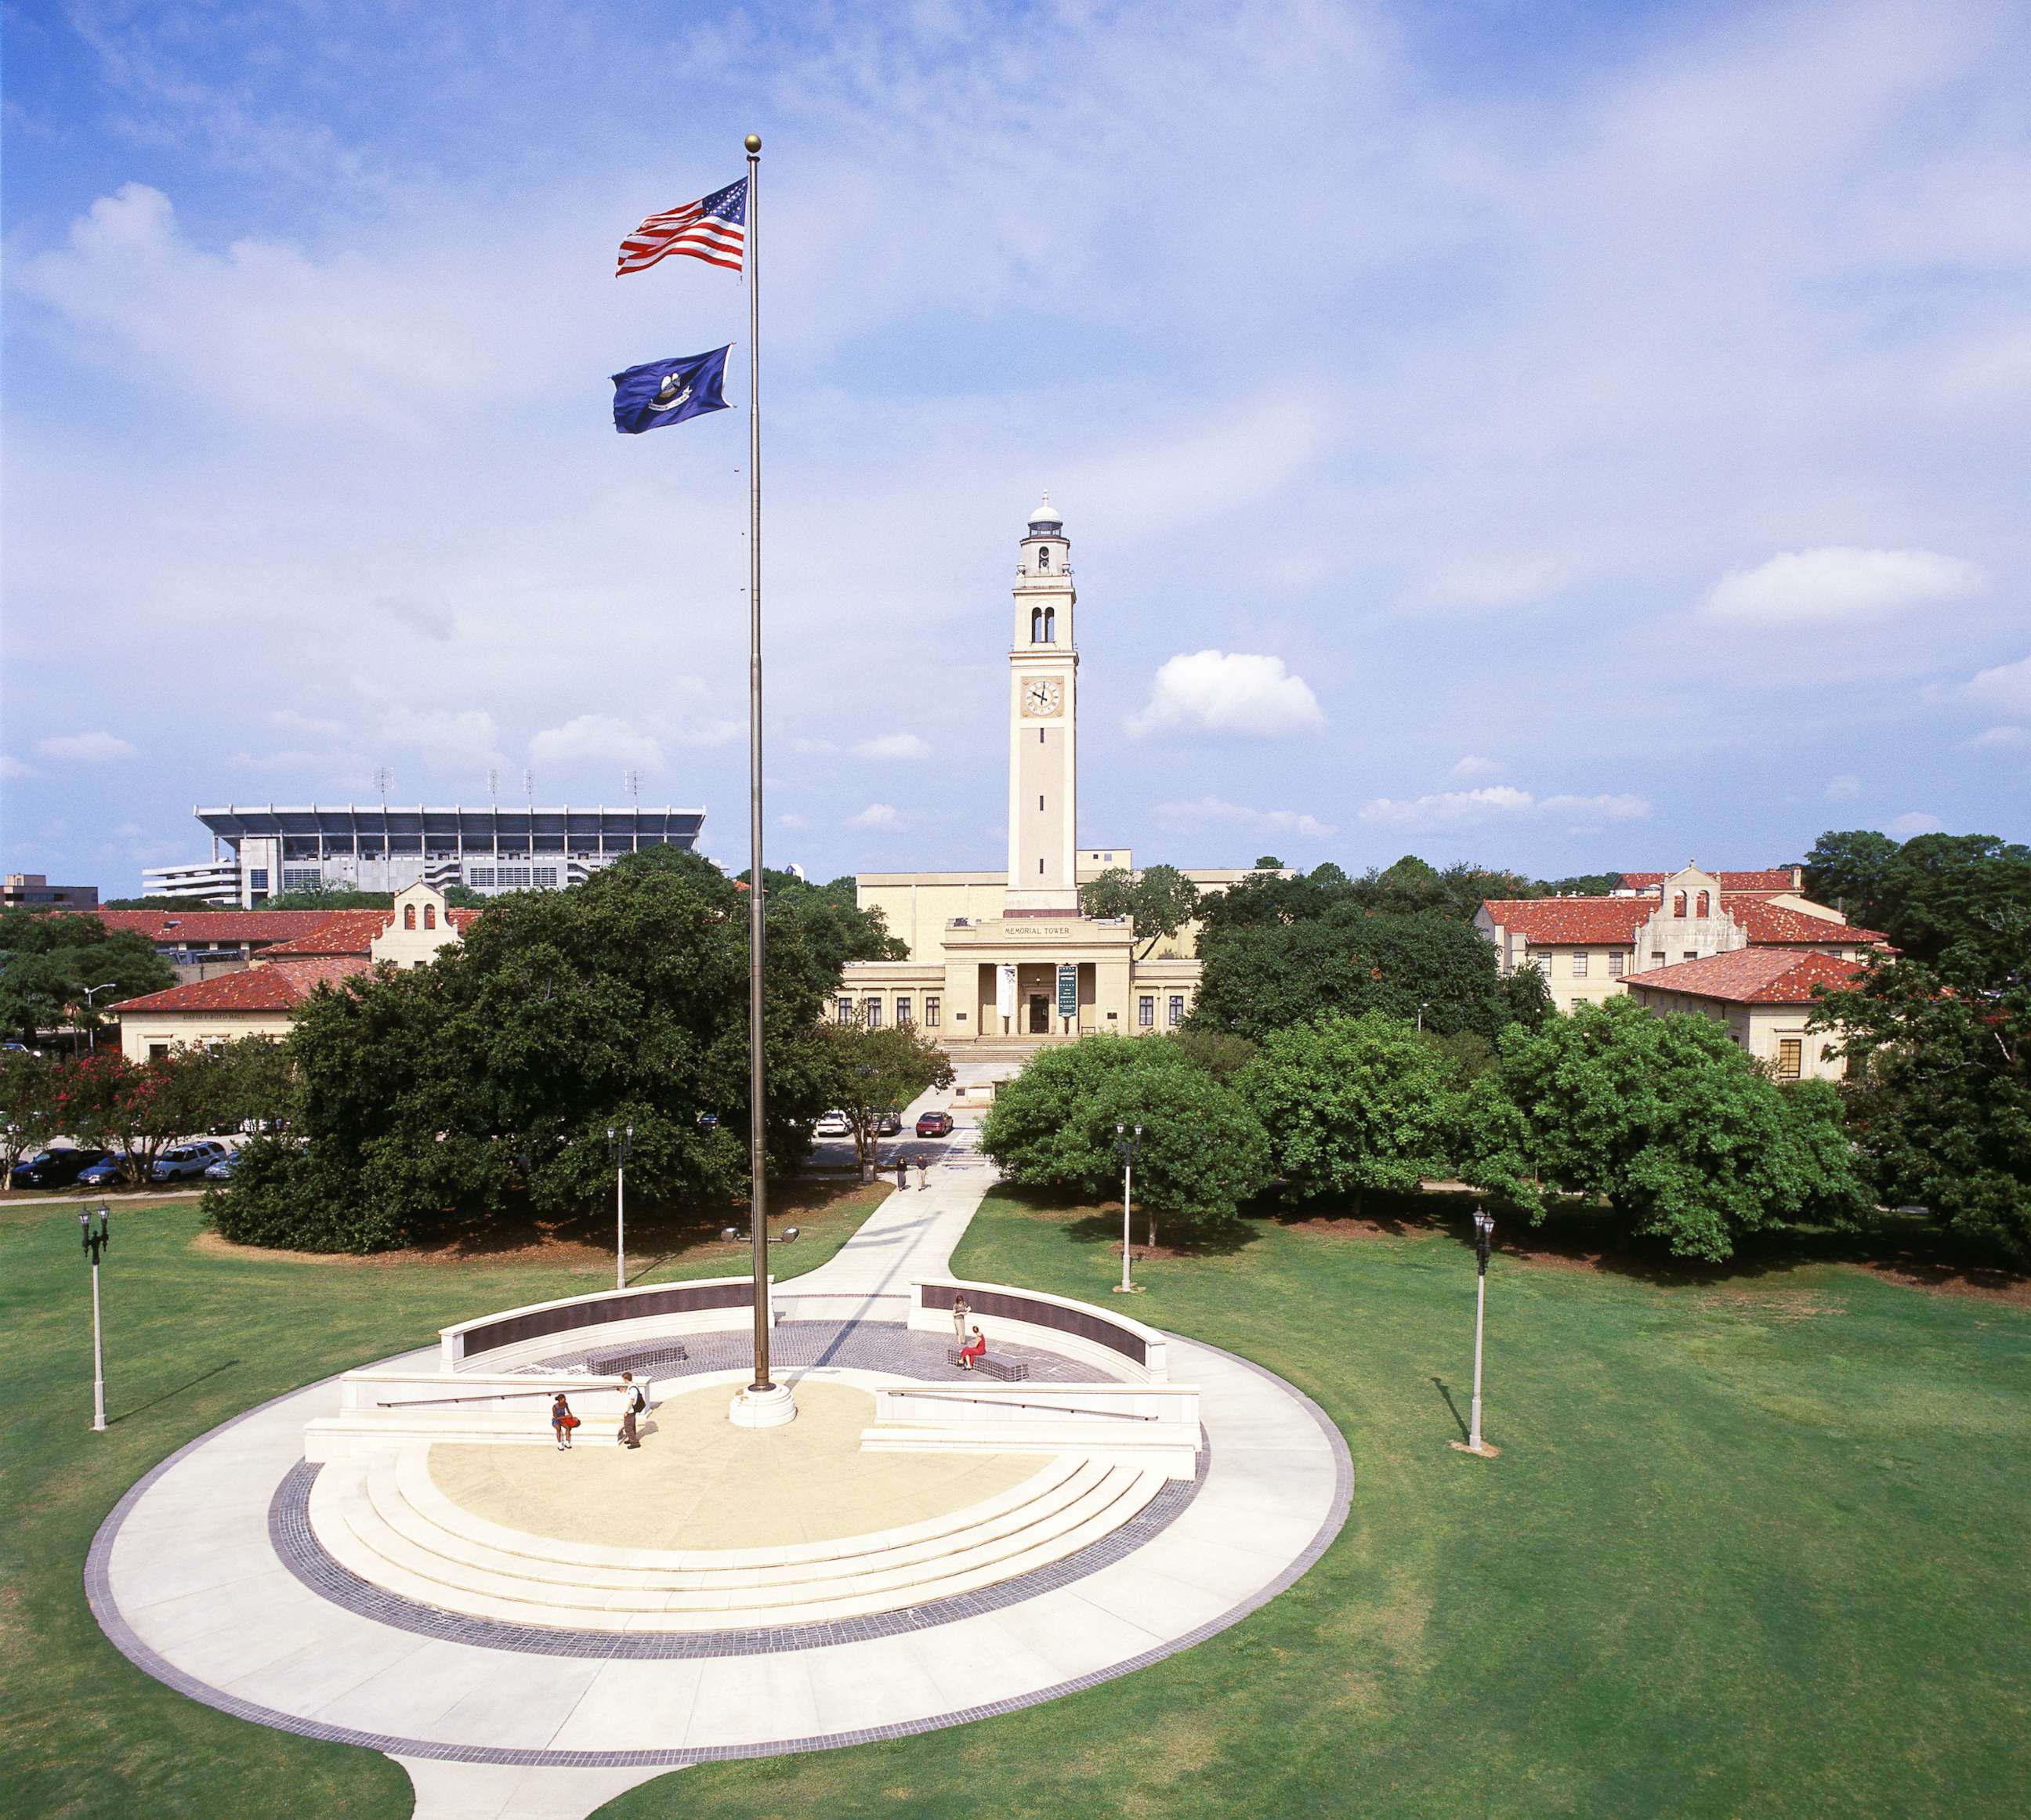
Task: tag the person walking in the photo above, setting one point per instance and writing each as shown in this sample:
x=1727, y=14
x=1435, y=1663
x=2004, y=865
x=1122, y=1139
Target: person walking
x=632, y=1403
x=902, y=1172
x=923, y=1171
x=961, y=1308
x=562, y=1422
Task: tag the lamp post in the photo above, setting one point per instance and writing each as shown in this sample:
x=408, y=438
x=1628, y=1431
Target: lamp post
x=95, y=1243
x=619, y=1144
x=1127, y=1142
x=1484, y=1234
x=1421, y=1016
x=90, y=1027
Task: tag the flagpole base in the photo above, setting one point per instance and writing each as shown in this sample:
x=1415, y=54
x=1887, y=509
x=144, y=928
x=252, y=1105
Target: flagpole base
x=769, y=1408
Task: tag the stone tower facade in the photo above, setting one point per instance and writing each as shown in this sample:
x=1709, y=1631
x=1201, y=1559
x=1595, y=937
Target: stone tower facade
x=1043, y=725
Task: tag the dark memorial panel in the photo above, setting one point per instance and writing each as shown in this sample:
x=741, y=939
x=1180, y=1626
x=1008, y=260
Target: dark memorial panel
x=1081, y=1322
x=678, y=1299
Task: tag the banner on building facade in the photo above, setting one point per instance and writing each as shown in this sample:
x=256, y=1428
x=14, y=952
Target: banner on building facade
x=1068, y=989
x=1004, y=991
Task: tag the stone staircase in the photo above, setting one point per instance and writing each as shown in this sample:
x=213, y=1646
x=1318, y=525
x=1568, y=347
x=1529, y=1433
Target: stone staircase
x=383, y=1517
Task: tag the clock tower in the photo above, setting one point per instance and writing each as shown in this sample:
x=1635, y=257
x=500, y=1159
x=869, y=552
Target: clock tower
x=1043, y=680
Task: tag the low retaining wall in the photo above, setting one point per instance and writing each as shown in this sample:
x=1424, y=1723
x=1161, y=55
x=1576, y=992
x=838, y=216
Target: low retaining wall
x=615, y=1318
x=1118, y=1346
x=1154, y=1428
x=376, y=1408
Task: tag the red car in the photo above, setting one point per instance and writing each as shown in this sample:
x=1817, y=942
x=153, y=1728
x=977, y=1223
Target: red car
x=934, y=1125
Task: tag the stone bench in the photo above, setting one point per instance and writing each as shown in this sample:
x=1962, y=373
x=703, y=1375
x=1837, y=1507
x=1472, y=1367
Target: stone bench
x=1009, y=1370
x=635, y=1359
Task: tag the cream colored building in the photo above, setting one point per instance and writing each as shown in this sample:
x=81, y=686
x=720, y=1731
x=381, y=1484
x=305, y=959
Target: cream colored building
x=1764, y=998
x=1007, y=956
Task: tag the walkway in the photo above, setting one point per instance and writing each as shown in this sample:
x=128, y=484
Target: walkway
x=191, y=1577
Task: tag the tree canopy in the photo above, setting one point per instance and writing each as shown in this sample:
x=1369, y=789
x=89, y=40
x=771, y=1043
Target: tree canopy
x=1203, y=1152
x=1934, y=893
x=1665, y=1118
x=1352, y=1103
x=437, y=1096
x=871, y=1073
x=1159, y=899
x=48, y=958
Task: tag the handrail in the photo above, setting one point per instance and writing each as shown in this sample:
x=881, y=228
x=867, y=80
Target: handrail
x=1012, y=1403
x=477, y=1397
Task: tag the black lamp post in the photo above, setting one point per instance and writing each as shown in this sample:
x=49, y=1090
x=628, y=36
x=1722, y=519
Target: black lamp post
x=620, y=1146
x=95, y=1243
x=1127, y=1142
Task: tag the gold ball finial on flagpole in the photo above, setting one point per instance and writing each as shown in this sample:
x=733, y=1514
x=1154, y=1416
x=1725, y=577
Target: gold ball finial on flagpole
x=753, y=141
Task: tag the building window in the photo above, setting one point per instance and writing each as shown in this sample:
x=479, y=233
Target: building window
x=1036, y=625
x=1656, y=957
x=1615, y=964
x=1790, y=1053
x=302, y=878
x=546, y=877
x=1177, y=1007
x=1050, y=625
x=158, y=1050
x=844, y=1011
x=430, y=916
x=408, y=916
x=931, y=1012
x=1146, y=1012
x=904, y=1011
x=1040, y=803
x=1677, y=903
x=1701, y=902
x=1579, y=963
x=874, y=1013
x=1691, y=954
x=1543, y=957
x=1040, y=868
x=257, y=878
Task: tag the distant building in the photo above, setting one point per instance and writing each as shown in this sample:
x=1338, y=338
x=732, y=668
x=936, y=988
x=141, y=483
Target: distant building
x=260, y=852
x=34, y=889
x=262, y=995
x=1763, y=997
x=1587, y=947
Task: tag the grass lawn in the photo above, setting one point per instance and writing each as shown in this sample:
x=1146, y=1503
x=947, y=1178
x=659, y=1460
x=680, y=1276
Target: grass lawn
x=195, y=1333
x=1755, y=1545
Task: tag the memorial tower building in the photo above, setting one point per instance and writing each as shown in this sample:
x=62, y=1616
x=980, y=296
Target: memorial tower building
x=1043, y=725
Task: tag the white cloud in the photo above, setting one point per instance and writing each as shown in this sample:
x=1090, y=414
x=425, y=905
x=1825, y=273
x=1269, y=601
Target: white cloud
x=11, y=766
x=2006, y=688
x=1473, y=767
x=893, y=745
x=2002, y=739
x=1916, y=821
x=792, y=820
x=84, y=748
x=1212, y=809
x=291, y=721
x=1841, y=587
x=1845, y=788
x=1492, y=801
x=445, y=738
x=877, y=815
x=595, y=739
x=1236, y=692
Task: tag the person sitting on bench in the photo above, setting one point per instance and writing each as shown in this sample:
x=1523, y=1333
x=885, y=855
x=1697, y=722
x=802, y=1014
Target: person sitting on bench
x=975, y=1348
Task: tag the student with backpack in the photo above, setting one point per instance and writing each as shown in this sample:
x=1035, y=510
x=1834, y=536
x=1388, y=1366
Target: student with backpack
x=632, y=1403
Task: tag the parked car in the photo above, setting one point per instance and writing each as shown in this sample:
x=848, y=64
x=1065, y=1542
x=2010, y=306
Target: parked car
x=832, y=1125
x=102, y=1175
x=708, y=1121
x=222, y=1170
x=934, y=1124
x=55, y=1168
x=183, y=1161
x=888, y=1125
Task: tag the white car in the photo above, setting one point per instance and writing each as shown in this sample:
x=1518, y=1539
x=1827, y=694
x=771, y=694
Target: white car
x=832, y=1125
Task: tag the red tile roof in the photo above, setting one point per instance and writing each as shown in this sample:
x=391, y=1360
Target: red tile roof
x=1748, y=977
x=1572, y=919
x=1770, y=878
x=346, y=931
x=170, y=928
x=275, y=986
x=1771, y=925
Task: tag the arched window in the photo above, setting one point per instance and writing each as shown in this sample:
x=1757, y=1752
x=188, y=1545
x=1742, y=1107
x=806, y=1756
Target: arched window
x=408, y=916
x=1050, y=625
x=430, y=916
x=1036, y=625
x=1044, y=557
x=1702, y=901
x=1677, y=903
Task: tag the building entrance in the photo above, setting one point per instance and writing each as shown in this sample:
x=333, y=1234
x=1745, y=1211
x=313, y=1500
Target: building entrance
x=1040, y=1015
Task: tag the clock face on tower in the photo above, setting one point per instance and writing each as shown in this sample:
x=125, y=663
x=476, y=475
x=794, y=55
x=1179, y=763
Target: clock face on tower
x=1042, y=696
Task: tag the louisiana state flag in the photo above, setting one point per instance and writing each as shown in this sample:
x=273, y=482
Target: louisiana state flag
x=665, y=392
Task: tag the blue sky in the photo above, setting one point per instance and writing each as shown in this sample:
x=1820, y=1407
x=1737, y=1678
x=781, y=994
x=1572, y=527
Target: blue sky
x=1569, y=436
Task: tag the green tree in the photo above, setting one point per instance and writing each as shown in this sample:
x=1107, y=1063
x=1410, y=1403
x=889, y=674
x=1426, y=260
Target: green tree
x=136, y=1109
x=1938, y=1081
x=438, y=1096
x=1202, y=1154
x=1352, y=1103
x=871, y=1073
x=1664, y=1118
x=1159, y=899
x=1936, y=893
x=1221, y=1056
x=27, y=1108
x=47, y=959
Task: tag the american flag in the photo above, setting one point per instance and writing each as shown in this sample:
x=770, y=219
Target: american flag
x=714, y=228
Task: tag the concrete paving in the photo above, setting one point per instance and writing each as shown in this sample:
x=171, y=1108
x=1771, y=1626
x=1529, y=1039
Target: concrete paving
x=186, y=1578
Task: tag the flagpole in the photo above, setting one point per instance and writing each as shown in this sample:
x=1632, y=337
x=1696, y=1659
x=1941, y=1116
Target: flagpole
x=763, y=1404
